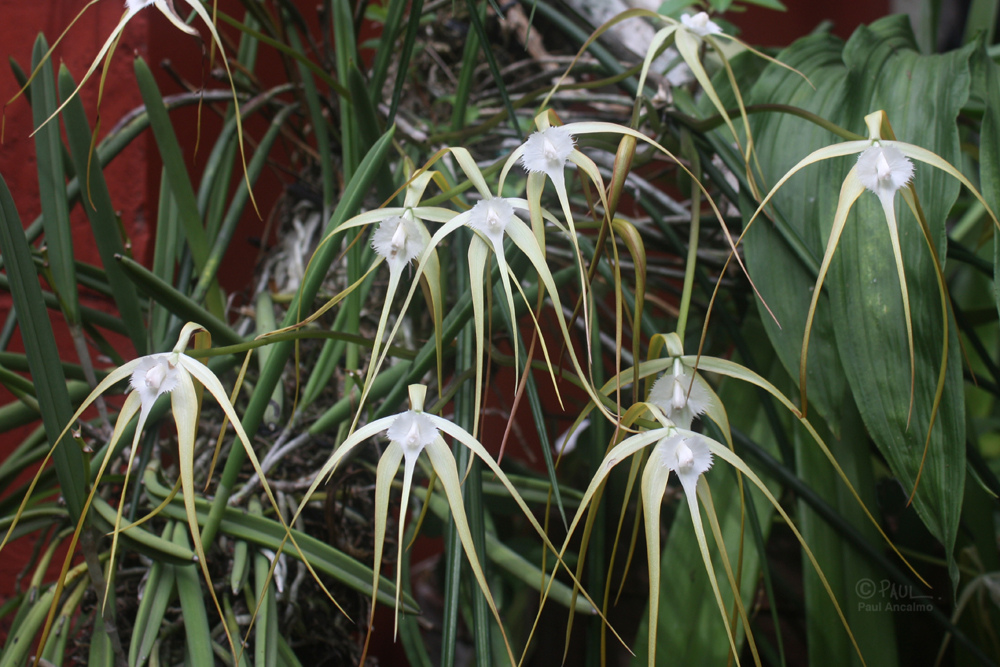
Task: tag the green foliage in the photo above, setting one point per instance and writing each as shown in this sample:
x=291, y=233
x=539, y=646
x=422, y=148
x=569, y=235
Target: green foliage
x=451, y=285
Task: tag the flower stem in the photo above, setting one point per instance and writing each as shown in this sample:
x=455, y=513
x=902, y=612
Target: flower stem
x=687, y=148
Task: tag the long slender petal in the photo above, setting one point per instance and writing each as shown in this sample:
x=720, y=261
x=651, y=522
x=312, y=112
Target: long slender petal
x=654, y=483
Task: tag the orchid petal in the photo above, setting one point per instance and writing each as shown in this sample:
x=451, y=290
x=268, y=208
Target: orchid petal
x=443, y=462
x=654, y=483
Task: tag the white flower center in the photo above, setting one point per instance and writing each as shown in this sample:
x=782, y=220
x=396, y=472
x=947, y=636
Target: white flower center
x=398, y=242
x=882, y=167
x=679, y=398
x=493, y=218
x=155, y=376
x=413, y=435
x=699, y=20
x=549, y=150
x=684, y=456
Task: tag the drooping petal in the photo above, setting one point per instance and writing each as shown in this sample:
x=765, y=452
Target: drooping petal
x=654, y=483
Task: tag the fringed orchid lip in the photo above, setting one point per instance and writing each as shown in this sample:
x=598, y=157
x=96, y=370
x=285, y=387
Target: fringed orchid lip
x=680, y=401
x=491, y=216
x=884, y=169
x=700, y=24
x=398, y=240
x=548, y=150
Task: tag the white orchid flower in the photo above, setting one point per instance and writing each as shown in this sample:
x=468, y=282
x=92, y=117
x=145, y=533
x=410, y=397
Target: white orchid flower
x=547, y=151
x=410, y=434
x=700, y=24
x=398, y=241
x=688, y=35
x=151, y=377
x=883, y=167
x=681, y=395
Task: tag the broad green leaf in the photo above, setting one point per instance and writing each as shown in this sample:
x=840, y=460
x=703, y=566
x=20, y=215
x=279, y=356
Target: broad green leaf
x=860, y=320
x=848, y=572
x=986, y=87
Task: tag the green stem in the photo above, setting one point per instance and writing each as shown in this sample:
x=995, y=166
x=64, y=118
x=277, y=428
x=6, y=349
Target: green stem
x=688, y=149
x=706, y=125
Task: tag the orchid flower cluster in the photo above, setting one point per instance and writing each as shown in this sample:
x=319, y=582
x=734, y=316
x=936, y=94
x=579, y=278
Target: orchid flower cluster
x=664, y=429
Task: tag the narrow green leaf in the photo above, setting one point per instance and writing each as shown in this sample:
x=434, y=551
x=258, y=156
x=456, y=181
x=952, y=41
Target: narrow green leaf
x=175, y=302
x=477, y=24
x=21, y=641
x=386, y=48
x=52, y=186
x=196, y=627
x=412, y=26
x=157, y=591
x=346, y=54
x=165, y=256
x=320, y=131
x=177, y=175
x=42, y=352
x=265, y=599
x=101, y=212
x=226, y=230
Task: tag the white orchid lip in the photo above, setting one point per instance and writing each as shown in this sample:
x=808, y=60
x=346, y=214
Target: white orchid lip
x=398, y=240
x=413, y=430
x=883, y=169
x=687, y=455
x=155, y=375
x=700, y=24
x=490, y=216
x=683, y=456
x=547, y=151
x=680, y=401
